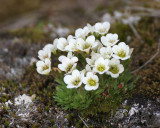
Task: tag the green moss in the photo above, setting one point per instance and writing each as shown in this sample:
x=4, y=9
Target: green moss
x=123, y=30
x=39, y=109
x=69, y=116
x=53, y=127
x=146, y=5
x=29, y=34
x=6, y=124
x=150, y=33
x=52, y=121
x=79, y=124
x=36, y=125
x=101, y=8
x=47, y=108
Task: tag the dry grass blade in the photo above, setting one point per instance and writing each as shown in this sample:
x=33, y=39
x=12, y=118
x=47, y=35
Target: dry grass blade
x=158, y=51
x=83, y=121
x=135, y=32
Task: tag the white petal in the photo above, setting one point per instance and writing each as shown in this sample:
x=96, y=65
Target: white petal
x=88, y=68
x=89, y=74
x=73, y=67
x=89, y=88
x=114, y=75
x=84, y=80
x=67, y=79
x=61, y=58
x=104, y=40
x=75, y=73
x=74, y=59
x=115, y=56
x=125, y=58
x=71, y=86
x=121, y=68
x=69, y=55
x=89, y=61
x=90, y=39
x=40, y=64
x=95, y=77
x=70, y=37
x=39, y=70
x=55, y=42
x=46, y=72
x=61, y=67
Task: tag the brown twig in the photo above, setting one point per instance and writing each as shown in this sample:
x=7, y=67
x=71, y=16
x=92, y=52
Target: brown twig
x=158, y=51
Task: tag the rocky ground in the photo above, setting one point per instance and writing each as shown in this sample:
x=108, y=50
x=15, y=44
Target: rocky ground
x=26, y=98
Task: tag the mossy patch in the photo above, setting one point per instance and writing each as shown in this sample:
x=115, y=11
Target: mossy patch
x=123, y=30
x=149, y=83
x=149, y=29
x=30, y=34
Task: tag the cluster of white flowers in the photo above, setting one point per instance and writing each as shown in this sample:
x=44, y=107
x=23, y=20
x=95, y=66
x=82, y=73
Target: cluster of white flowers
x=102, y=51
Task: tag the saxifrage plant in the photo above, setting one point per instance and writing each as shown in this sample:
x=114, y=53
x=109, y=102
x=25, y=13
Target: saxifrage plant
x=93, y=74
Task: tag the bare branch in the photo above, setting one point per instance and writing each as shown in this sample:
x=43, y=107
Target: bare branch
x=158, y=51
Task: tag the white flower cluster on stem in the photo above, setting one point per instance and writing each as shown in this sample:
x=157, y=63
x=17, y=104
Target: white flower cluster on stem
x=101, y=51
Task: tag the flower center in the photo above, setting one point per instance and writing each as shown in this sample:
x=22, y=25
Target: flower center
x=91, y=82
x=68, y=68
x=101, y=67
x=121, y=53
x=114, y=69
x=107, y=54
x=102, y=30
x=64, y=45
x=76, y=81
x=45, y=67
x=112, y=41
x=46, y=56
x=86, y=46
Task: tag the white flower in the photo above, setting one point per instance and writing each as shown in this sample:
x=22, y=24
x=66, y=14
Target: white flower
x=94, y=57
x=109, y=39
x=51, y=47
x=82, y=33
x=91, y=41
x=98, y=47
x=69, y=55
x=74, y=80
x=106, y=52
x=115, y=68
x=62, y=43
x=88, y=68
x=72, y=45
x=68, y=63
x=91, y=28
x=91, y=81
x=86, y=45
x=101, y=65
x=44, y=67
x=121, y=51
x=70, y=37
x=43, y=54
x=102, y=28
